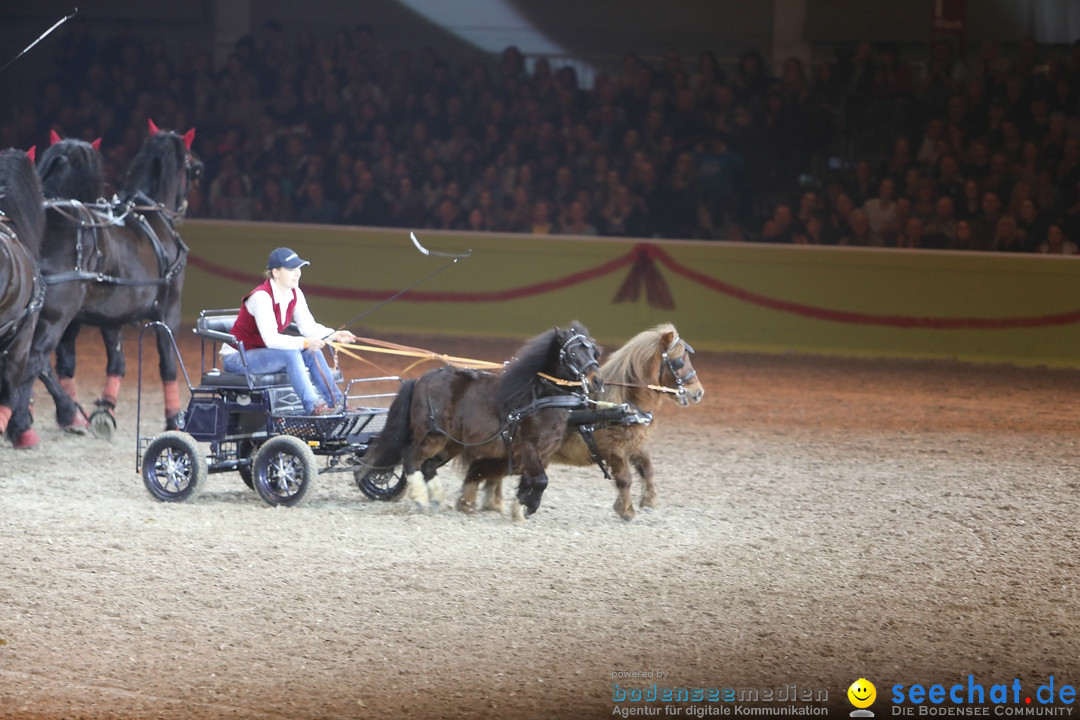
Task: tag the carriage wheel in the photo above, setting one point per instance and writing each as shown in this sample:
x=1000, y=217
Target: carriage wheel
x=380, y=484
x=173, y=469
x=284, y=470
x=246, y=449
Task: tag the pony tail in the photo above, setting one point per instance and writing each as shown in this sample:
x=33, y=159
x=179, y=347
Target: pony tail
x=385, y=453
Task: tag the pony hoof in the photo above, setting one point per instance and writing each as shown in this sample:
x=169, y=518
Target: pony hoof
x=435, y=506
x=466, y=507
x=27, y=440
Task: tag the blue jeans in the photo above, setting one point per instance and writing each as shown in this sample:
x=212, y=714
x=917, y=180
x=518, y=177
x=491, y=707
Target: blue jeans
x=308, y=372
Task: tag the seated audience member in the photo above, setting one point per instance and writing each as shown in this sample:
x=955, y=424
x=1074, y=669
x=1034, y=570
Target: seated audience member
x=861, y=235
x=1056, y=243
x=881, y=210
x=780, y=228
x=940, y=231
x=912, y=235
x=1008, y=237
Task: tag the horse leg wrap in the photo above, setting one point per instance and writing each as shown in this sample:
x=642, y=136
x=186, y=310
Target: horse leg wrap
x=68, y=385
x=111, y=393
x=172, y=398
x=5, y=416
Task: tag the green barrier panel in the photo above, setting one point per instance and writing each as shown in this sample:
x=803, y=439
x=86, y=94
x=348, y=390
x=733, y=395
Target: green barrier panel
x=722, y=296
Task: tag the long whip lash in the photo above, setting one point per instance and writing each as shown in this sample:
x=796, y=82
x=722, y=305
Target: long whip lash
x=57, y=24
x=431, y=253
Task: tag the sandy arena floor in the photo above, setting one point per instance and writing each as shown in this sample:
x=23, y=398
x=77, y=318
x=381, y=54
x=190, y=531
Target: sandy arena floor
x=820, y=520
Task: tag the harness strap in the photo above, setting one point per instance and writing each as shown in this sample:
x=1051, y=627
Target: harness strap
x=588, y=434
x=544, y=402
x=9, y=331
x=166, y=271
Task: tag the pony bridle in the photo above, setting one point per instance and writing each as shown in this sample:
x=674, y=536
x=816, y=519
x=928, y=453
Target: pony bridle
x=674, y=364
x=568, y=357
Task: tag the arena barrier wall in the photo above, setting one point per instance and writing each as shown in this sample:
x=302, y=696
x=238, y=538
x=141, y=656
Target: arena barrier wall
x=980, y=307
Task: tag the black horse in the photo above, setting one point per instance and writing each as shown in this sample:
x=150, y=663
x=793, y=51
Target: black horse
x=115, y=265
x=73, y=170
x=515, y=419
x=22, y=291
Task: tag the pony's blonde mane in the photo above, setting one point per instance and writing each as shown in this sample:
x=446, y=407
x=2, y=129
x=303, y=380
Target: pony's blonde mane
x=636, y=362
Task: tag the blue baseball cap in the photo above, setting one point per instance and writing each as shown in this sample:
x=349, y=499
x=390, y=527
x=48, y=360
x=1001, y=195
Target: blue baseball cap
x=286, y=258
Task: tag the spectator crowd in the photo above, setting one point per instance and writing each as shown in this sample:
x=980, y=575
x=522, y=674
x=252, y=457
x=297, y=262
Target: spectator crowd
x=925, y=149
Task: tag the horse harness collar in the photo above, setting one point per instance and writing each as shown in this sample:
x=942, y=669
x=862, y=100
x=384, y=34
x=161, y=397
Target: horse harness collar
x=91, y=218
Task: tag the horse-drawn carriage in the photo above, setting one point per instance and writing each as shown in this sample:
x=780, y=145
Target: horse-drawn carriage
x=254, y=424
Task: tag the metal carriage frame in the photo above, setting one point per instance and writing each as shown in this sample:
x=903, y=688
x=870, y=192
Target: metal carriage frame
x=254, y=424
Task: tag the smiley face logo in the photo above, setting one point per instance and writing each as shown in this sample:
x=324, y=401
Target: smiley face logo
x=862, y=693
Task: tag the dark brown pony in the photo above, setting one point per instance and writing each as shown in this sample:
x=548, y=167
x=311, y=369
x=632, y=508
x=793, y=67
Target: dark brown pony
x=116, y=265
x=22, y=221
x=653, y=365
x=513, y=420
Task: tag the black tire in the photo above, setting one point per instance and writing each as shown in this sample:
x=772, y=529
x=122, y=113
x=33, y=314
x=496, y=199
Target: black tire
x=381, y=484
x=284, y=471
x=246, y=449
x=173, y=469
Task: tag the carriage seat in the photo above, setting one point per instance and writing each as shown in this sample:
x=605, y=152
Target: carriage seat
x=216, y=326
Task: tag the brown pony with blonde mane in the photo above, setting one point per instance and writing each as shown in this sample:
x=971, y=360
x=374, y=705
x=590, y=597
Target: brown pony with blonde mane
x=652, y=365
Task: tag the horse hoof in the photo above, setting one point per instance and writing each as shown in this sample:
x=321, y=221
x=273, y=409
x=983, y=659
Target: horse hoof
x=435, y=506
x=466, y=507
x=27, y=440
x=102, y=424
x=78, y=426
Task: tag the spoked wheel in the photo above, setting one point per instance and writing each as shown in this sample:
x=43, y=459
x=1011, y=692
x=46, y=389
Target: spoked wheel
x=380, y=484
x=173, y=469
x=283, y=471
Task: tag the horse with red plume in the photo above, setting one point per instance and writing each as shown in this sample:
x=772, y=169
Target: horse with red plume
x=108, y=265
